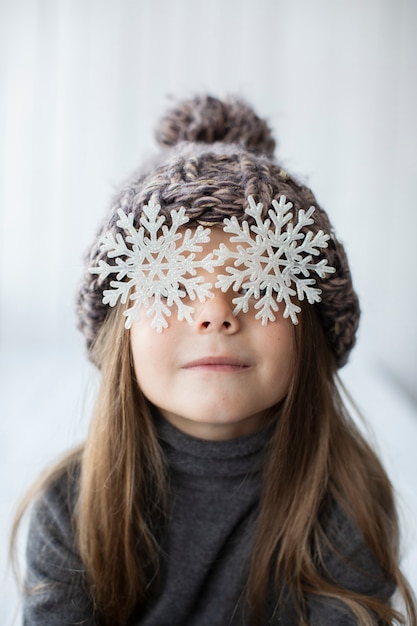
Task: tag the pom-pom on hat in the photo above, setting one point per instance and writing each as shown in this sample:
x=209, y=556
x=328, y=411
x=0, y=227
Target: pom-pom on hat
x=208, y=120
x=216, y=157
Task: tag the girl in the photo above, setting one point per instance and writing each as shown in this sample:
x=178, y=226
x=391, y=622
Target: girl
x=222, y=480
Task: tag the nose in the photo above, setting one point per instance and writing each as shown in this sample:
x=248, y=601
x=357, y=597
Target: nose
x=216, y=315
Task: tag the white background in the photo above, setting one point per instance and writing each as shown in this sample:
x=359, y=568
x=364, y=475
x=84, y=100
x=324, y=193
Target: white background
x=82, y=84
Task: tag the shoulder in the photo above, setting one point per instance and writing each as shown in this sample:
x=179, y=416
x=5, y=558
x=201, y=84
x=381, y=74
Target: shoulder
x=348, y=560
x=55, y=583
x=52, y=529
x=58, y=494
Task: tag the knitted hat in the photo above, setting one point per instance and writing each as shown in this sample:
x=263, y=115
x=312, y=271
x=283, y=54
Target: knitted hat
x=215, y=155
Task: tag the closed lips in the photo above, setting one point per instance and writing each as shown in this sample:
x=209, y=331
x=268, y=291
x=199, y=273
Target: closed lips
x=217, y=361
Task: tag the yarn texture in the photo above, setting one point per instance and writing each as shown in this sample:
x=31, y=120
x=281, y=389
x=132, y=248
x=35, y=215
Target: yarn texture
x=215, y=155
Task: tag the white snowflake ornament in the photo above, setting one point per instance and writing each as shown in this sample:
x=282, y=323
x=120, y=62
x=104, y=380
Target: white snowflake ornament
x=275, y=261
x=155, y=266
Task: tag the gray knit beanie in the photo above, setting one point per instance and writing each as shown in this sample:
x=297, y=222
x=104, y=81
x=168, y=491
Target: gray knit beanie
x=215, y=155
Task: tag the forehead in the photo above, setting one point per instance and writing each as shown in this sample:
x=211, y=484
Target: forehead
x=217, y=237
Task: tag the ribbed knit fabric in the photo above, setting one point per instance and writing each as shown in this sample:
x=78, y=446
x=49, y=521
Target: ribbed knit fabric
x=215, y=490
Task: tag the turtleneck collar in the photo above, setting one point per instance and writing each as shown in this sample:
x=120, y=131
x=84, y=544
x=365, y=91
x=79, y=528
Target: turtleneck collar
x=201, y=457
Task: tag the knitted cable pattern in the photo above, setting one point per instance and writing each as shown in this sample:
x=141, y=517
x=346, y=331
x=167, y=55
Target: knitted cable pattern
x=213, y=181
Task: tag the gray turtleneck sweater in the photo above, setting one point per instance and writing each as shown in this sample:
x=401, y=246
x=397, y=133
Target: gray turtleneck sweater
x=215, y=489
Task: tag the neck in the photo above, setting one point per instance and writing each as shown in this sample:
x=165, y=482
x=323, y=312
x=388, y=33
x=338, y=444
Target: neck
x=218, y=430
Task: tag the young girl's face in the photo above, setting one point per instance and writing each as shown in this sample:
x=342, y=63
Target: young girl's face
x=217, y=378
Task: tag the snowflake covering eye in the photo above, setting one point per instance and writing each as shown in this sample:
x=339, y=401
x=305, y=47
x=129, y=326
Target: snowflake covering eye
x=275, y=263
x=155, y=266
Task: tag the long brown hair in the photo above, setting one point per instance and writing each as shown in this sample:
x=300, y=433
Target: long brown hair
x=122, y=497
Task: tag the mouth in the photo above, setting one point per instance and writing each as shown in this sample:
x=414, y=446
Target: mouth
x=217, y=364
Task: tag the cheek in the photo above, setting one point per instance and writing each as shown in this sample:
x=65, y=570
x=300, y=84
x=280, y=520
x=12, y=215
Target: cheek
x=279, y=350
x=151, y=353
x=142, y=353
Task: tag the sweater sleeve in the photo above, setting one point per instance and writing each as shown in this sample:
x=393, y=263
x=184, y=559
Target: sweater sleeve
x=351, y=564
x=55, y=592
